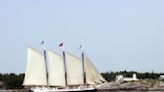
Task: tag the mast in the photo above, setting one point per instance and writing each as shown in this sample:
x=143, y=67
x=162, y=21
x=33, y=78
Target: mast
x=65, y=63
x=65, y=68
x=45, y=59
x=83, y=64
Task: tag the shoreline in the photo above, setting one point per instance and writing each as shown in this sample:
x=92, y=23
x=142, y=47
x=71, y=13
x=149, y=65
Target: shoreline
x=142, y=85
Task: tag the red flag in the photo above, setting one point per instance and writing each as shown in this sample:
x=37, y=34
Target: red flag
x=61, y=44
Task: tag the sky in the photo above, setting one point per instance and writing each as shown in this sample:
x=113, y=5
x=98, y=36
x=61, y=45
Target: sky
x=116, y=34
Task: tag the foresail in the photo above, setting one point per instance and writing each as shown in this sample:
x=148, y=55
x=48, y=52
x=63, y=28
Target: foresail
x=100, y=77
x=74, y=70
x=94, y=76
x=89, y=75
x=56, y=69
x=36, y=70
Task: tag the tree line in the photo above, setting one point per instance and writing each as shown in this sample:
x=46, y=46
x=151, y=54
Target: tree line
x=11, y=81
x=15, y=81
x=110, y=76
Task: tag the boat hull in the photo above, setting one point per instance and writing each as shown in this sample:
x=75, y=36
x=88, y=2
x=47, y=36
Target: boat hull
x=64, y=90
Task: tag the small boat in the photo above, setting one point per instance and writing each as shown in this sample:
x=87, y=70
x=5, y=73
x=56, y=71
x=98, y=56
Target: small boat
x=51, y=72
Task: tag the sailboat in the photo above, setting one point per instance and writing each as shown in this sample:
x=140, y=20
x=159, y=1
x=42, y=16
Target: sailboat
x=51, y=72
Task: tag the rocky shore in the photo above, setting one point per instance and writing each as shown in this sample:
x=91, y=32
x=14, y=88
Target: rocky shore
x=141, y=85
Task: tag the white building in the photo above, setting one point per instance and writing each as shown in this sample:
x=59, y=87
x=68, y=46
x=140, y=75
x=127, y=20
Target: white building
x=121, y=78
x=161, y=77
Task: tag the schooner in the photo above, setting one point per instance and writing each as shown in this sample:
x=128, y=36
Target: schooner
x=52, y=72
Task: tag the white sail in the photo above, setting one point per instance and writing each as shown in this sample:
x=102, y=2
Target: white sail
x=36, y=70
x=97, y=76
x=93, y=76
x=56, y=69
x=74, y=70
x=89, y=75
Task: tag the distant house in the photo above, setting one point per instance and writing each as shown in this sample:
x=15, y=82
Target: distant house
x=161, y=77
x=121, y=78
x=2, y=85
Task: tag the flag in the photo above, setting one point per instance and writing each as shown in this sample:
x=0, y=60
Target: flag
x=42, y=43
x=61, y=45
x=80, y=47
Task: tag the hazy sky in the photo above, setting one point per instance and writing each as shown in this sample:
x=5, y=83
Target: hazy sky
x=116, y=34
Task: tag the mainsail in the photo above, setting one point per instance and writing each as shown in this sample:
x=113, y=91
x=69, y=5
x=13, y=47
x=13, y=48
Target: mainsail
x=56, y=69
x=74, y=70
x=35, y=71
